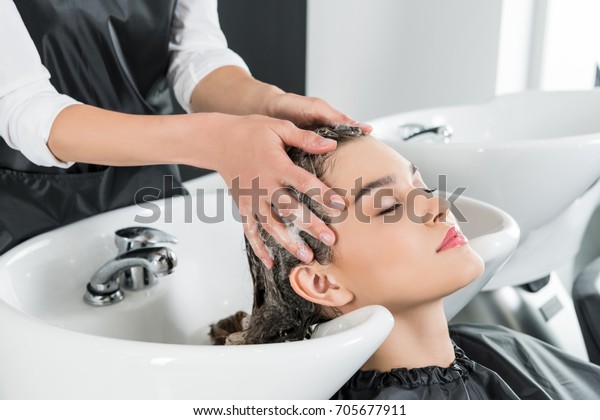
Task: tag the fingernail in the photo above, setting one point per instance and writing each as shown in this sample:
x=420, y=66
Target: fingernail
x=327, y=238
x=303, y=254
x=323, y=141
x=266, y=262
x=338, y=202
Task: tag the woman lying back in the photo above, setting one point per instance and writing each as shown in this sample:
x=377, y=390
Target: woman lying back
x=398, y=246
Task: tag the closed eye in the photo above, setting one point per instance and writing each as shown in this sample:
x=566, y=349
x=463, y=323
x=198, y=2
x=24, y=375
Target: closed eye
x=390, y=209
x=395, y=206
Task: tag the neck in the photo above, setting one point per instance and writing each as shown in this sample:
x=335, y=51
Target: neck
x=419, y=338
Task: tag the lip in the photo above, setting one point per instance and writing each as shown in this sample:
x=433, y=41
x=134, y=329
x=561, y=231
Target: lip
x=453, y=239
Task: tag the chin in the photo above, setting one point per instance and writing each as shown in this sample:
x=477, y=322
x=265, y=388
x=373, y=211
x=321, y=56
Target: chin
x=474, y=266
x=469, y=268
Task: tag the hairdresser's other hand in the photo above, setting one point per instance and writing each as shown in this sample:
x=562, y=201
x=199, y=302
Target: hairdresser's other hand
x=254, y=164
x=305, y=111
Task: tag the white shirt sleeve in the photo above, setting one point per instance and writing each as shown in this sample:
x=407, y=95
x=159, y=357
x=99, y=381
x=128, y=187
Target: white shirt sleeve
x=198, y=46
x=28, y=102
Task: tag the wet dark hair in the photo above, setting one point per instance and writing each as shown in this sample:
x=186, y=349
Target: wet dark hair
x=278, y=313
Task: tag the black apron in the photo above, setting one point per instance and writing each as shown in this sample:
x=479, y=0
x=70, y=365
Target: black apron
x=109, y=53
x=492, y=362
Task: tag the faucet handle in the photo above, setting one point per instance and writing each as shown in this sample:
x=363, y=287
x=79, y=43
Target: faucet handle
x=136, y=237
x=151, y=262
x=411, y=130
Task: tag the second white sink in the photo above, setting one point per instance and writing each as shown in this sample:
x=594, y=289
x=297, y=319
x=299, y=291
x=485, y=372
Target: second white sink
x=531, y=154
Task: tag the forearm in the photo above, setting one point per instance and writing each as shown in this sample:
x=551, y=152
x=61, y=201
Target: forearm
x=231, y=90
x=83, y=133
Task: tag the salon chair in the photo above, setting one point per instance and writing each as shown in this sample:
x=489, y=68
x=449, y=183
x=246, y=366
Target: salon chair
x=586, y=297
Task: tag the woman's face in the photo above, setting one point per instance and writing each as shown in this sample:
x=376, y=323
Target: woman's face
x=386, y=254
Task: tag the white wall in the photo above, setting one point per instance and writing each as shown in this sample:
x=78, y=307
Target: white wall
x=516, y=51
x=571, y=46
x=372, y=58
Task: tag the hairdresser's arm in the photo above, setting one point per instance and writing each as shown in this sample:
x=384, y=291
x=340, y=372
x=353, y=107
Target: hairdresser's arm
x=232, y=90
x=208, y=76
x=235, y=146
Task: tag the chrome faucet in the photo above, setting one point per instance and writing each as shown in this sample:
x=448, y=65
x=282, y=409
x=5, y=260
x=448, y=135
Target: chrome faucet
x=137, y=265
x=135, y=238
x=410, y=131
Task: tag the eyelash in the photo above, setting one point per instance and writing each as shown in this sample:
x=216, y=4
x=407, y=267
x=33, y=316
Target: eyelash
x=390, y=209
x=395, y=206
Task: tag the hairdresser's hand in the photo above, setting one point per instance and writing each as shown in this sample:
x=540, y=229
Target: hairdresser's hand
x=254, y=164
x=306, y=111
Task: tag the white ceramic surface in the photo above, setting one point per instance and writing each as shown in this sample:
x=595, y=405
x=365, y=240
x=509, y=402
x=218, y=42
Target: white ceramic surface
x=551, y=246
x=154, y=343
x=533, y=154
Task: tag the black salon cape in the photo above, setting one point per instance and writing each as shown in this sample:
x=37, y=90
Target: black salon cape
x=492, y=362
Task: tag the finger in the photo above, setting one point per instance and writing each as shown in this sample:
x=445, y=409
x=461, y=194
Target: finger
x=304, y=139
x=306, y=220
x=309, y=184
x=255, y=241
x=288, y=238
x=324, y=113
x=366, y=128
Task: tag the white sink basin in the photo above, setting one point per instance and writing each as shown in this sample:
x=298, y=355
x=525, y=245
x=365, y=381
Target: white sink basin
x=154, y=343
x=532, y=154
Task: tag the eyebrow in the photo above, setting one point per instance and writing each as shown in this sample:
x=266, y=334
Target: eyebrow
x=381, y=182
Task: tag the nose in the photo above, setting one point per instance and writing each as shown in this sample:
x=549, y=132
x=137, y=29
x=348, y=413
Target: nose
x=430, y=209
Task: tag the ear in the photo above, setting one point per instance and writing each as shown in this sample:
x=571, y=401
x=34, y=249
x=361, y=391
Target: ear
x=319, y=286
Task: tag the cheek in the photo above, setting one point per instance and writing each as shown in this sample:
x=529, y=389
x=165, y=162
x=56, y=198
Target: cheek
x=376, y=257
x=396, y=264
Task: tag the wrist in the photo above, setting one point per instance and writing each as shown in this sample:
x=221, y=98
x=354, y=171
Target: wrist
x=269, y=99
x=201, y=140
x=232, y=90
